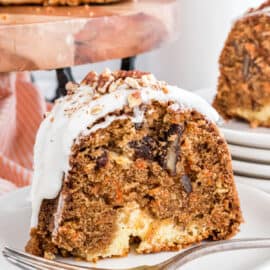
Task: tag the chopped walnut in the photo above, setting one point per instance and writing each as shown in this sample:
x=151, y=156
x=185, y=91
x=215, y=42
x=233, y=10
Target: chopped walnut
x=148, y=79
x=246, y=66
x=134, y=99
x=133, y=83
x=108, y=81
x=185, y=180
x=90, y=78
x=172, y=157
x=97, y=109
x=71, y=88
x=173, y=148
x=114, y=85
x=104, y=81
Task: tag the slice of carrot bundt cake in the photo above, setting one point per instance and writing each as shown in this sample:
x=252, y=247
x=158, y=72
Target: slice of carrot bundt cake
x=244, y=82
x=125, y=158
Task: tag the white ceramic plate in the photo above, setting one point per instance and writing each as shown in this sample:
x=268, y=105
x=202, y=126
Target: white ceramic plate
x=248, y=153
x=251, y=169
x=14, y=227
x=237, y=132
x=262, y=184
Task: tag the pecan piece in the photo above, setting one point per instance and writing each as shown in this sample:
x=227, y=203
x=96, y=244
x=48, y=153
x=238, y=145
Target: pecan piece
x=186, y=183
x=173, y=147
x=246, y=66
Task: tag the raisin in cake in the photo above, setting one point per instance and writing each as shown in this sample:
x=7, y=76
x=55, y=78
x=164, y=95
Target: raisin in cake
x=125, y=158
x=244, y=82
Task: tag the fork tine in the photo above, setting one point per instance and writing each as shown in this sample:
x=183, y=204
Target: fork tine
x=27, y=263
x=23, y=258
x=23, y=265
x=54, y=265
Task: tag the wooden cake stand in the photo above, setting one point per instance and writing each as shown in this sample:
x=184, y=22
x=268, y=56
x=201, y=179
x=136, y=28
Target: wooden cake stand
x=42, y=38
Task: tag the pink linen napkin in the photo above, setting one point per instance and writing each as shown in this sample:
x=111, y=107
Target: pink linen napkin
x=21, y=110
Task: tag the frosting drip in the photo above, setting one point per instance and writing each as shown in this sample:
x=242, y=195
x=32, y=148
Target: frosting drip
x=74, y=115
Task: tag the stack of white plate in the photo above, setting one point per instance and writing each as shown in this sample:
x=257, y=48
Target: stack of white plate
x=250, y=149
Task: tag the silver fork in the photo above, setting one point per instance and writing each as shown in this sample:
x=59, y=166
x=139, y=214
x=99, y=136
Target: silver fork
x=30, y=262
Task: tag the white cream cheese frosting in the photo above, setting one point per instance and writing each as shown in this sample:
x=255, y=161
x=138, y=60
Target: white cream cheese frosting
x=75, y=114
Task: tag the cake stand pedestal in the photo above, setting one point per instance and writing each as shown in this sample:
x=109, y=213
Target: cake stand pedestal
x=45, y=38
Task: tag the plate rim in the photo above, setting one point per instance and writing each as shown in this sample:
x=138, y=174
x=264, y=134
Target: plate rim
x=260, y=168
x=250, y=154
x=239, y=137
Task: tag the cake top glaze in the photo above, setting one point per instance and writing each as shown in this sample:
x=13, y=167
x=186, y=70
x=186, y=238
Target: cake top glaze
x=263, y=9
x=88, y=107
